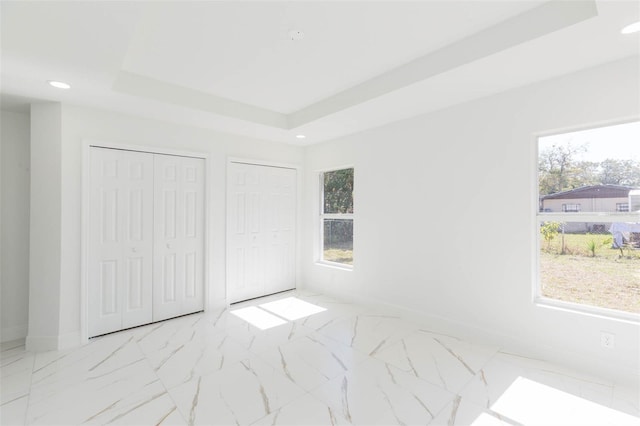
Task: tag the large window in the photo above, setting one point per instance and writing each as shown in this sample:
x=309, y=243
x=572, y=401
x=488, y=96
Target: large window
x=589, y=241
x=336, y=216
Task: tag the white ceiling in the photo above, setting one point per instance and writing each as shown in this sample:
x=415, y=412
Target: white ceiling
x=231, y=66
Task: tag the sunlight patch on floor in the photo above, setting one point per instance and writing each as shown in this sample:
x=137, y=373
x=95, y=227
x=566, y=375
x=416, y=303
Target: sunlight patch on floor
x=258, y=317
x=292, y=308
x=279, y=312
x=532, y=403
x=486, y=419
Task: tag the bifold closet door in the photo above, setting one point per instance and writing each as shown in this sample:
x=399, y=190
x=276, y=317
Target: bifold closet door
x=178, y=236
x=261, y=204
x=146, y=238
x=120, y=240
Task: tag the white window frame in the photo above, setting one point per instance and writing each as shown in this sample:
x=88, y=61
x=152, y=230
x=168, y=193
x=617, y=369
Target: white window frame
x=323, y=216
x=598, y=217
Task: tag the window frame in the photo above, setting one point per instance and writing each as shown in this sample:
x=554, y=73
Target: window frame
x=622, y=207
x=340, y=216
x=538, y=299
x=571, y=208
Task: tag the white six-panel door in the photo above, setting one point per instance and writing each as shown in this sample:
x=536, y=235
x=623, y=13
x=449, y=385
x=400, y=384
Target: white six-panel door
x=260, y=230
x=178, y=236
x=146, y=238
x=120, y=240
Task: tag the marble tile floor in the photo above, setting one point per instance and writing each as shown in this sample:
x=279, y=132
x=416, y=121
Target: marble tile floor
x=327, y=363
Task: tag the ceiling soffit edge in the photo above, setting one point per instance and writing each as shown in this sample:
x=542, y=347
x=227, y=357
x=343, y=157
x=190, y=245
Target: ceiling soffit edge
x=138, y=85
x=545, y=19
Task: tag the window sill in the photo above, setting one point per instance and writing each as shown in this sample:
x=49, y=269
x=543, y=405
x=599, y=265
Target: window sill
x=594, y=311
x=335, y=265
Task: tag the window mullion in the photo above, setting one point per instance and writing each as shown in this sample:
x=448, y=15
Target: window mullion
x=341, y=216
x=589, y=217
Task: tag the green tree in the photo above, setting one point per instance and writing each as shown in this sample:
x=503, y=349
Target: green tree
x=338, y=191
x=549, y=231
x=558, y=168
x=338, y=198
x=586, y=173
x=620, y=172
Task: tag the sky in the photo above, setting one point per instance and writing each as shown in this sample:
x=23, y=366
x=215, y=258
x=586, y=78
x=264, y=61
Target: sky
x=620, y=142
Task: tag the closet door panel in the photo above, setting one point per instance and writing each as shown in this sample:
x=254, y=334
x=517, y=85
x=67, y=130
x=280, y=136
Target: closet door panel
x=138, y=238
x=120, y=240
x=179, y=236
x=245, y=232
x=280, y=190
x=261, y=230
x=166, y=242
x=192, y=193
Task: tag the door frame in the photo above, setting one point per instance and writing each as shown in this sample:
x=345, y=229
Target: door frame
x=87, y=144
x=298, y=204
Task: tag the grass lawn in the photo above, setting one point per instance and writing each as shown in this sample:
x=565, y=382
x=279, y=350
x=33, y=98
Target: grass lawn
x=344, y=256
x=609, y=279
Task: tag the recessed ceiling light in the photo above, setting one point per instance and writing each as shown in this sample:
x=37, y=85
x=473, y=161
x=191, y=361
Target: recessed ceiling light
x=296, y=35
x=631, y=28
x=300, y=136
x=59, y=84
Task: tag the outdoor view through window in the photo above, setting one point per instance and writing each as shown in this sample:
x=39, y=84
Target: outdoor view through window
x=589, y=217
x=336, y=216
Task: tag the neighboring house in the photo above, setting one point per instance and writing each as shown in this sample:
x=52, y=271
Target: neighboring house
x=594, y=198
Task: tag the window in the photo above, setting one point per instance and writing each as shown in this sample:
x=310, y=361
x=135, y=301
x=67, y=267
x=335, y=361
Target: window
x=622, y=207
x=571, y=208
x=587, y=258
x=336, y=216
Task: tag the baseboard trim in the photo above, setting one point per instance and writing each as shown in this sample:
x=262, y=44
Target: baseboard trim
x=53, y=343
x=581, y=362
x=16, y=332
x=69, y=340
x=41, y=343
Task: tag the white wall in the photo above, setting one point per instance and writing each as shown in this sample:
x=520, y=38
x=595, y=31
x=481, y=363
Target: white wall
x=14, y=269
x=470, y=266
x=433, y=262
x=81, y=124
x=45, y=232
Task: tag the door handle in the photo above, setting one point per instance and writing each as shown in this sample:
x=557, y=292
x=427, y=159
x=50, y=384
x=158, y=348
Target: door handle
x=169, y=245
x=134, y=249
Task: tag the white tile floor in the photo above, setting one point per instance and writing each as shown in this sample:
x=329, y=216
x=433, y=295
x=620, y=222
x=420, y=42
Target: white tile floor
x=344, y=365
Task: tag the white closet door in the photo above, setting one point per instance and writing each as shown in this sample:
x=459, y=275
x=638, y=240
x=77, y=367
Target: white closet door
x=120, y=239
x=245, y=233
x=178, y=236
x=261, y=230
x=280, y=186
